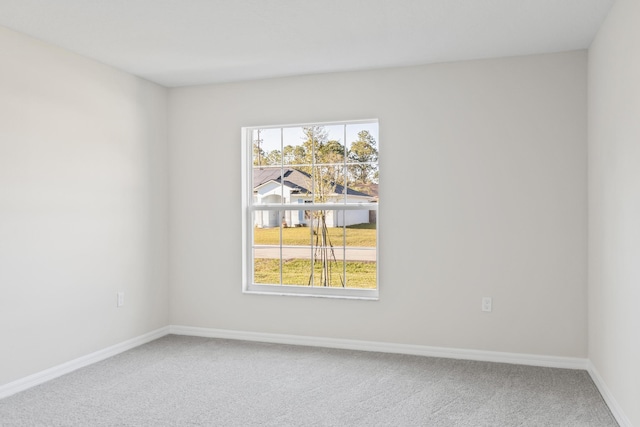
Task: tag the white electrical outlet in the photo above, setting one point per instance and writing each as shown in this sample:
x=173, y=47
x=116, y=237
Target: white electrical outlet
x=486, y=304
x=120, y=302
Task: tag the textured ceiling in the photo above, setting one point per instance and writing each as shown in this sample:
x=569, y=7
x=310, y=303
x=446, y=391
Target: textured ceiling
x=188, y=42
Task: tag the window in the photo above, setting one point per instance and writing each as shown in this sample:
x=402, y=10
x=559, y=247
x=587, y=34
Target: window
x=310, y=209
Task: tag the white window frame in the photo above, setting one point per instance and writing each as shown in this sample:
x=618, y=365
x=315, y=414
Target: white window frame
x=248, y=208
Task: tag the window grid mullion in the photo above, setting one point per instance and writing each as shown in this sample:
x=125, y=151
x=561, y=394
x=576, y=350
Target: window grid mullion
x=282, y=190
x=312, y=280
x=344, y=216
x=316, y=207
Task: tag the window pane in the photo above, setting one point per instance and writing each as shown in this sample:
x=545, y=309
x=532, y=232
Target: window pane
x=360, y=252
x=296, y=152
x=330, y=148
x=362, y=179
x=268, y=188
x=327, y=180
x=266, y=147
x=329, y=272
x=328, y=248
x=363, y=154
x=361, y=274
x=266, y=251
x=266, y=266
x=296, y=218
x=327, y=227
x=297, y=271
x=362, y=132
x=268, y=219
x=297, y=235
x=265, y=235
x=361, y=227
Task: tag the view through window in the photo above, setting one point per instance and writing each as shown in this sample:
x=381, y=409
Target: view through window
x=311, y=209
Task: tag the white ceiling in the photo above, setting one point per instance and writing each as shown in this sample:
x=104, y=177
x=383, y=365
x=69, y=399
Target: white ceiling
x=189, y=42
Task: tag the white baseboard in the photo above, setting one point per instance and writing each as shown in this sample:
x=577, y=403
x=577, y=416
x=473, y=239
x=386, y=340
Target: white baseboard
x=418, y=350
x=612, y=403
x=72, y=365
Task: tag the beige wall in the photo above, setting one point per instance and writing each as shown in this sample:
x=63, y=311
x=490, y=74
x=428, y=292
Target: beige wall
x=614, y=205
x=489, y=155
x=83, y=206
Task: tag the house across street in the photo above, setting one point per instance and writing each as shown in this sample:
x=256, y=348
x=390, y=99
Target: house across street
x=273, y=185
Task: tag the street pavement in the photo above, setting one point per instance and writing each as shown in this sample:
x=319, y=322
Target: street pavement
x=351, y=253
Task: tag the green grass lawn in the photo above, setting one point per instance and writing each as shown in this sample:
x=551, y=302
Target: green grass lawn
x=361, y=235
x=296, y=272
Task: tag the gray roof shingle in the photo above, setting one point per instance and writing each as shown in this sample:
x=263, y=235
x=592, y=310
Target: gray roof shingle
x=294, y=179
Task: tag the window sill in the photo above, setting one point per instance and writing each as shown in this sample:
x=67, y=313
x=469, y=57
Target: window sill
x=317, y=292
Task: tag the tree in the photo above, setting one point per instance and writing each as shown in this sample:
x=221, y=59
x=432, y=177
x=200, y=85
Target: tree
x=364, y=152
x=325, y=157
x=258, y=152
x=295, y=155
x=273, y=157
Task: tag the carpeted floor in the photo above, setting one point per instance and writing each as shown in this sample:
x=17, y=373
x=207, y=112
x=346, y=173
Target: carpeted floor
x=190, y=381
